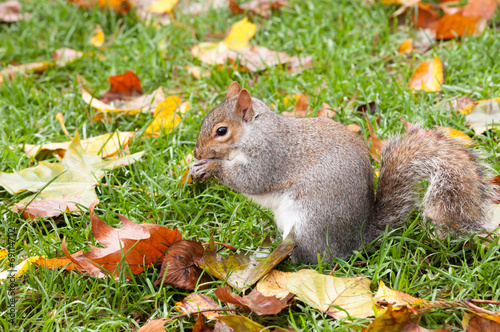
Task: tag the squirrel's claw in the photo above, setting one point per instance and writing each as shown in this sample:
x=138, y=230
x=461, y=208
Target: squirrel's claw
x=200, y=170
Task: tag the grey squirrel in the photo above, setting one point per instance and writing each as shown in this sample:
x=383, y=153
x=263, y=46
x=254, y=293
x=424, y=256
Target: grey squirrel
x=317, y=176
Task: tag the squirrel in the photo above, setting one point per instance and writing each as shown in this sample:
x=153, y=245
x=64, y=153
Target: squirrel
x=317, y=176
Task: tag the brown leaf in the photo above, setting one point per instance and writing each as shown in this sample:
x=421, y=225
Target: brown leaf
x=220, y=326
x=354, y=128
x=474, y=323
x=274, y=284
x=123, y=87
x=255, y=301
x=377, y=143
x=195, y=302
x=458, y=103
x=10, y=12
x=156, y=325
x=120, y=6
x=371, y=107
x=141, y=244
x=480, y=8
x=456, y=25
x=257, y=7
x=201, y=326
x=179, y=267
x=425, y=17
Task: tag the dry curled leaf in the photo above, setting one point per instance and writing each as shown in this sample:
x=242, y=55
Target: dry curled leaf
x=195, y=302
x=123, y=87
x=255, y=301
x=257, y=7
x=137, y=245
x=178, y=267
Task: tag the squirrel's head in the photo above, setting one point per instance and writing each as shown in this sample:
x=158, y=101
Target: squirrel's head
x=222, y=128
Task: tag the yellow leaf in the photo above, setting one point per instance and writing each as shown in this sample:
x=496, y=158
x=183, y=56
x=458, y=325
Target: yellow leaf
x=406, y=47
x=429, y=76
x=3, y=253
x=98, y=37
x=165, y=116
x=240, y=34
x=468, y=108
x=392, y=296
x=162, y=6
x=457, y=135
x=19, y=269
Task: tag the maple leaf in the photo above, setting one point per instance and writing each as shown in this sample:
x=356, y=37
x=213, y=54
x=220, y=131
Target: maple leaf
x=61, y=186
x=235, y=47
x=105, y=146
x=239, y=270
x=352, y=294
x=138, y=245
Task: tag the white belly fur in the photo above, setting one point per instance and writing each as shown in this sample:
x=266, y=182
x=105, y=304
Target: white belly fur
x=287, y=212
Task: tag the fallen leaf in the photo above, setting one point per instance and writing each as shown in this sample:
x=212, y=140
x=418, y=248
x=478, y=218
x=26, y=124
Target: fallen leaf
x=3, y=253
x=73, y=182
x=396, y=319
x=98, y=37
x=257, y=7
x=120, y=6
x=456, y=25
x=371, y=108
x=400, y=2
x=235, y=47
x=300, y=108
x=242, y=324
x=58, y=263
x=156, y=325
x=63, y=56
x=480, y=8
x=405, y=47
x=325, y=293
x=393, y=297
x=123, y=86
x=197, y=72
x=105, y=146
x=10, y=12
x=482, y=115
x=377, y=143
x=325, y=111
x=19, y=269
x=255, y=301
x=162, y=6
x=197, y=302
x=200, y=7
x=201, y=326
x=165, y=116
x=429, y=76
x=10, y=71
x=425, y=17
x=423, y=40
x=354, y=128
x=274, y=283
x=178, y=267
x=145, y=103
x=138, y=245
x=458, y=103
x=457, y=135
x=241, y=271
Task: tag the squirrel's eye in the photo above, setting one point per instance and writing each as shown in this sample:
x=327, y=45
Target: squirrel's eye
x=221, y=131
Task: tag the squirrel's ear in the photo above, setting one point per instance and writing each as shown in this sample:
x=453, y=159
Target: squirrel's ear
x=243, y=107
x=233, y=90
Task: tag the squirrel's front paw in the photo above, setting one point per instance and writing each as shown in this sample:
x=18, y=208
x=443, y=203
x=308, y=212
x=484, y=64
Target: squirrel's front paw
x=202, y=169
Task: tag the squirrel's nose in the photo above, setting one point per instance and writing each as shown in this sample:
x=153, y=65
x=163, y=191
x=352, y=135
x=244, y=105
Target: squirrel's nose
x=196, y=153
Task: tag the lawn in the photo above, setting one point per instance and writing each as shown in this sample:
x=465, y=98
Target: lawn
x=354, y=46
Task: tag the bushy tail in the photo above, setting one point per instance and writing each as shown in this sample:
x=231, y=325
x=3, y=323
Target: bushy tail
x=457, y=197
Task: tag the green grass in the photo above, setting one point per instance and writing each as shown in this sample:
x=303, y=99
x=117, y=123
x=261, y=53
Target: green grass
x=341, y=37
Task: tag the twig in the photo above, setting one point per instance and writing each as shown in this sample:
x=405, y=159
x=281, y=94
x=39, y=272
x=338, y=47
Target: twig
x=228, y=246
x=206, y=310
x=485, y=301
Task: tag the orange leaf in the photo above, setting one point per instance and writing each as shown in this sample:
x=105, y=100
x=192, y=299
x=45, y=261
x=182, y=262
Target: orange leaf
x=456, y=25
x=425, y=17
x=405, y=47
x=480, y=8
x=429, y=76
x=141, y=244
x=122, y=86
